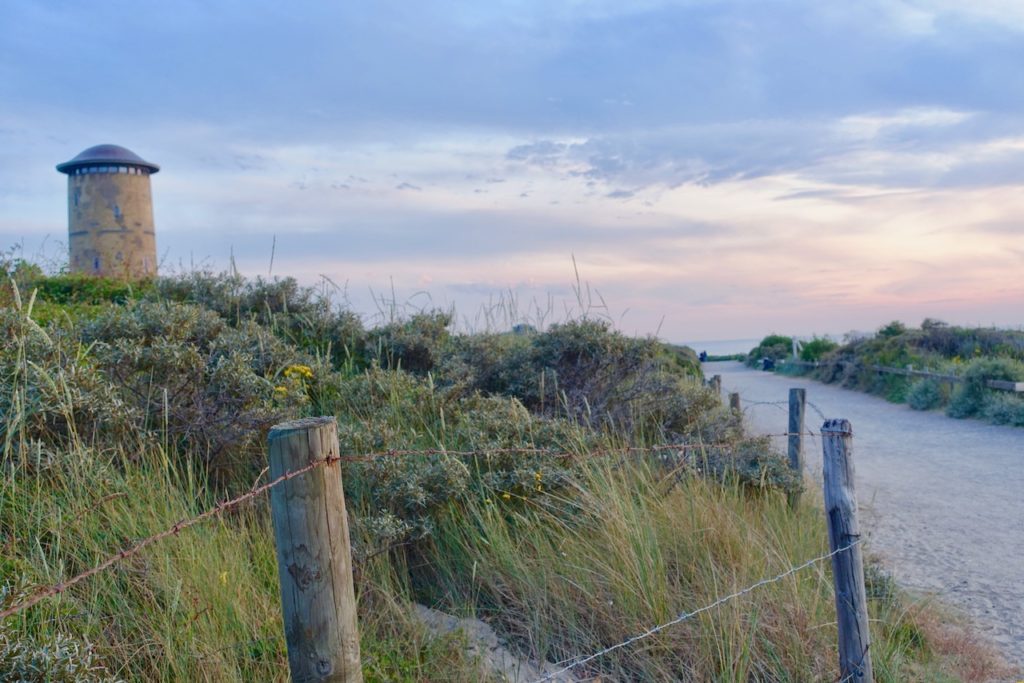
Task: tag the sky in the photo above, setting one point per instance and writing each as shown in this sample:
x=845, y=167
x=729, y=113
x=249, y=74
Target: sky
x=691, y=169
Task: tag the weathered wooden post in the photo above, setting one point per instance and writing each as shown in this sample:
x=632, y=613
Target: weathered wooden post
x=716, y=385
x=797, y=403
x=848, y=565
x=734, y=401
x=314, y=559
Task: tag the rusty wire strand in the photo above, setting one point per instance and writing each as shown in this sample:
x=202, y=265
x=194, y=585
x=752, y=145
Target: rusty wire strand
x=55, y=589
x=43, y=592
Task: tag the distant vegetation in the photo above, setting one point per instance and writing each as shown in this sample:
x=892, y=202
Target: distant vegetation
x=974, y=355
x=125, y=408
x=777, y=347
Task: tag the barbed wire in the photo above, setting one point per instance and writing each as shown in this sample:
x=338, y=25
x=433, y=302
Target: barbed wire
x=44, y=592
x=780, y=404
x=579, y=660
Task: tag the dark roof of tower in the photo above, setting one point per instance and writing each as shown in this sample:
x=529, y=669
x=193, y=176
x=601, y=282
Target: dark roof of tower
x=106, y=154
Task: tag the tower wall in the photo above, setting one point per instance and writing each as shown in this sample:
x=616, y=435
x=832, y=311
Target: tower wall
x=110, y=223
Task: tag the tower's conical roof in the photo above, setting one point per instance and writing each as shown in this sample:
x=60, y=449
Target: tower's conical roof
x=106, y=154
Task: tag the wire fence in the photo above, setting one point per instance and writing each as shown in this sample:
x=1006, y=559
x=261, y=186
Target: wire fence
x=568, y=665
x=40, y=593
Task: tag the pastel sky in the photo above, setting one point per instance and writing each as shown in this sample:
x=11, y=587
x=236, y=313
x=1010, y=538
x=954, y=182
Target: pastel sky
x=716, y=169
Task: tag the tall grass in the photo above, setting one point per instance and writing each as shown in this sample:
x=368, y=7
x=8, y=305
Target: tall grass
x=203, y=606
x=559, y=575
x=630, y=548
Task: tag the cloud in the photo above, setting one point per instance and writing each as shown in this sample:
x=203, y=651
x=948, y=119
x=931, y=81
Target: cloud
x=931, y=147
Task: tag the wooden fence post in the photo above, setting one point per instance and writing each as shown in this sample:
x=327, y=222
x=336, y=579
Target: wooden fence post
x=314, y=558
x=716, y=385
x=848, y=565
x=734, y=401
x=797, y=402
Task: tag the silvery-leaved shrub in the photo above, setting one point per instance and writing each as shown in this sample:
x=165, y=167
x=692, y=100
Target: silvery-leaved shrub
x=305, y=317
x=390, y=410
x=1005, y=409
x=971, y=396
x=416, y=344
x=587, y=372
x=56, y=658
x=51, y=390
x=925, y=394
x=213, y=388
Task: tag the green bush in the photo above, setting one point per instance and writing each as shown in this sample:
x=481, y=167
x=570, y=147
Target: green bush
x=925, y=394
x=52, y=394
x=303, y=316
x=76, y=288
x=815, y=349
x=893, y=329
x=1004, y=409
x=399, y=497
x=749, y=462
x=971, y=397
x=213, y=388
x=416, y=345
x=772, y=347
x=587, y=372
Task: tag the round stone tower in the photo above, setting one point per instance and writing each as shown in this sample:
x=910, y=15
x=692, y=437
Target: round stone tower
x=110, y=213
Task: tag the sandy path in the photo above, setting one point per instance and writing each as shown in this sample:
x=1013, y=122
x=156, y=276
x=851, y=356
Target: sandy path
x=942, y=499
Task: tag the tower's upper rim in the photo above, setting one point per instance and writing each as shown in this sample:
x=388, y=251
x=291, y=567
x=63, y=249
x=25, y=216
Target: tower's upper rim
x=106, y=154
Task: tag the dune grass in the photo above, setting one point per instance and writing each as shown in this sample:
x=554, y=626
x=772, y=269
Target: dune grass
x=564, y=574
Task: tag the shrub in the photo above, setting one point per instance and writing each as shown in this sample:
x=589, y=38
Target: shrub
x=893, y=329
x=213, y=388
x=51, y=392
x=587, y=372
x=773, y=347
x=925, y=394
x=76, y=288
x=970, y=397
x=305, y=317
x=399, y=497
x=415, y=345
x=751, y=463
x=815, y=349
x=57, y=658
x=1004, y=409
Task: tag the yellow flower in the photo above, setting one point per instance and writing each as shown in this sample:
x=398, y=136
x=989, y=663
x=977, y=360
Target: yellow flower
x=224, y=578
x=299, y=371
x=506, y=496
x=537, y=475
x=487, y=500
x=540, y=487
x=280, y=391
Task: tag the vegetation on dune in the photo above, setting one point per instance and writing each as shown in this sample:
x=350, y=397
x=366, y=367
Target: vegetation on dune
x=124, y=410
x=974, y=355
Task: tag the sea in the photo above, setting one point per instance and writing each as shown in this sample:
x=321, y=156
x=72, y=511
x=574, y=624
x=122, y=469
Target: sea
x=723, y=347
